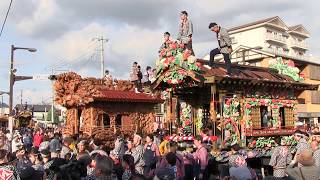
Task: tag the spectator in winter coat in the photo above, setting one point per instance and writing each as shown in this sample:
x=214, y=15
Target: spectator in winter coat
x=151, y=154
x=37, y=139
x=27, y=140
x=55, y=143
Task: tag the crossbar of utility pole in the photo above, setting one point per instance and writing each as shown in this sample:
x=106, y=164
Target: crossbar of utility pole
x=102, y=40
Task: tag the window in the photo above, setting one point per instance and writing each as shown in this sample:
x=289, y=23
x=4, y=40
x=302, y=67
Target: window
x=282, y=116
x=265, y=116
x=288, y=117
x=314, y=72
x=301, y=100
x=106, y=119
x=315, y=97
x=255, y=115
x=118, y=120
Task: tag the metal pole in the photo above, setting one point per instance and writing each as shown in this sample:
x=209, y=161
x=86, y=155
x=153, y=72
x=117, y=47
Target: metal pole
x=11, y=82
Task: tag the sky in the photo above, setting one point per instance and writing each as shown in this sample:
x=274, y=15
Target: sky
x=63, y=33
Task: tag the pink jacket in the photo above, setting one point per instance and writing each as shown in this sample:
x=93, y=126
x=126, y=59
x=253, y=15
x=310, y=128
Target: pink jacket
x=37, y=140
x=201, y=156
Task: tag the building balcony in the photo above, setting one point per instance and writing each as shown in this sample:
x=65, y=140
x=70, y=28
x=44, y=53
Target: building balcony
x=282, y=53
x=276, y=38
x=299, y=45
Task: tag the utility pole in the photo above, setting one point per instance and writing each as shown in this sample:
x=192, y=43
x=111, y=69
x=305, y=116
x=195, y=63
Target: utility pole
x=102, y=40
x=21, y=91
x=13, y=77
x=52, y=91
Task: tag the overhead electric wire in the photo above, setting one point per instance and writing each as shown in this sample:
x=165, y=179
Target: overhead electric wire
x=66, y=62
x=5, y=19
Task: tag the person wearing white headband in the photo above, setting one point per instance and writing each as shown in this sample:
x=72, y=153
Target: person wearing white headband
x=302, y=145
x=137, y=153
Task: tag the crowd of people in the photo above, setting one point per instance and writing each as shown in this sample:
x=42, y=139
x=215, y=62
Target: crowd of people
x=46, y=154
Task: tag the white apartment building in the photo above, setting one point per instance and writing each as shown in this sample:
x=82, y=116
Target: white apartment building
x=272, y=35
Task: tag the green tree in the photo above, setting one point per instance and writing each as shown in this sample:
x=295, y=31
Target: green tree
x=55, y=117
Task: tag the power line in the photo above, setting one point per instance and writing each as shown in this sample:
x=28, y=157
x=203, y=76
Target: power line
x=70, y=62
x=5, y=19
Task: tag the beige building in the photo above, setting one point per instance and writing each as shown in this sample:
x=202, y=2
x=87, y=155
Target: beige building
x=260, y=43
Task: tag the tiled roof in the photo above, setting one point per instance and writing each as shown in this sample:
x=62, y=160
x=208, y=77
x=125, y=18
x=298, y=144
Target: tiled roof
x=126, y=96
x=244, y=72
x=252, y=23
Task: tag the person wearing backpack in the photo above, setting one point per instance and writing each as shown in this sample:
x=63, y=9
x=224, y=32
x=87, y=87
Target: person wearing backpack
x=151, y=154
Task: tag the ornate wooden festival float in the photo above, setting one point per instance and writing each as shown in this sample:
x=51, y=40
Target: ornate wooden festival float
x=249, y=107
x=98, y=108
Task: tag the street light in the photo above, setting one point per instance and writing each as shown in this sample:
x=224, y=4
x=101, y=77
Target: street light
x=13, y=77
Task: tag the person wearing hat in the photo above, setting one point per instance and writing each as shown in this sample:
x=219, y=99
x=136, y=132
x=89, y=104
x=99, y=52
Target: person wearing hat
x=308, y=171
x=185, y=31
x=137, y=153
x=280, y=158
x=302, y=145
x=225, y=48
